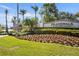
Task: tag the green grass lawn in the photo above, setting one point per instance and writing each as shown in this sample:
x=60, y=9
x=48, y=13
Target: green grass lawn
x=14, y=47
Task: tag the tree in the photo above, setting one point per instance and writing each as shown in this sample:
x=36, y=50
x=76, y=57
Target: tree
x=77, y=14
x=17, y=12
x=30, y=22
x=41, y=12
x=1, y=28
x=6, y=12
x=62, y=15
x=14, y=22
x=46, y=13
x=35, y=8
x=18, y=20
x=51, y=12
x=72, y=17
x=23, y=12
x=67, y=15
x=19, y=25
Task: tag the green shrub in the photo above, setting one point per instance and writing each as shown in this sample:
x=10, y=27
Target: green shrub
x=47, y=30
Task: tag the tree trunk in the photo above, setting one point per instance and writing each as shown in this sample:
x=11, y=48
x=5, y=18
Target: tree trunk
x=17, y=15
x=35, y=15
x=42, y=21
x=23, y=17
x=6, y=24
x=17, y=11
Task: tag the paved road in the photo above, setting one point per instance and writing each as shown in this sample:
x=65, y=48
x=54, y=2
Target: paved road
x=3, y=35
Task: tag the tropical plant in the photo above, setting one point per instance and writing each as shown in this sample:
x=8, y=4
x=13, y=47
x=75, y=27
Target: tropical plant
x=77, y=14
x=18, y=20
x=72, y=17
x=46, y=14
x=19, y=25
x=1, y=28
x=66, y=15
x=23, y=12
x=30, y=22
x=51, y=12
x=41, y=12
x=62, y=15
x=17, y=12
x=14, y=22
x=35, y=8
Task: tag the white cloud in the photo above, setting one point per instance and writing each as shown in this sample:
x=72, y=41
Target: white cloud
x=31, y=15
x=9, y=16
x=2, y=19
x=5, y=7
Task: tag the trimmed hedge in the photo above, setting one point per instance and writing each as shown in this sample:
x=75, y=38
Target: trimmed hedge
x=57, y=32
x=57, y=28
x=51, y=30
x=63, y=31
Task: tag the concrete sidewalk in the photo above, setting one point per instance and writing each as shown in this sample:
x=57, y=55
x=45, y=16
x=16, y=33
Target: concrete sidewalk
x=3, y=35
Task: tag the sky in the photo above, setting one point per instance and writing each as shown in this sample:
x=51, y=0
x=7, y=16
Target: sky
x=67, y=7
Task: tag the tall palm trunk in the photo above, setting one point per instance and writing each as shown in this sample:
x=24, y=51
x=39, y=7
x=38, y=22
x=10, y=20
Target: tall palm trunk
x=23, y=17
x=14, y=22
x=17, y=11
x=17, y=28
x=35, y=15
x=47, y=15
x=43, y=23
x=6, y=11
x=42, y=20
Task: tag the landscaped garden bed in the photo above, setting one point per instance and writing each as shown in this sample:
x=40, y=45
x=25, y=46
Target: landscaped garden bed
x=53, y=38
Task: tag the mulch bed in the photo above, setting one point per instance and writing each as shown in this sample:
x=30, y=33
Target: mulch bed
x=53, y=38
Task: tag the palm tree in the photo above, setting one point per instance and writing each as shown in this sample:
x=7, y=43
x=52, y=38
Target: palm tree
x=18, y=20
x=17, y=11
x=30, y=22
x=23, y=12
x=53, y=9
x=35, y=8
x=1, y=27
x=50, y=12
x=77, y=14
x=6, y=12
x=62, y=15
x=67, y=15
x=41, y=12
x=14, y=22
x=46, y=14
x=46, y=6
